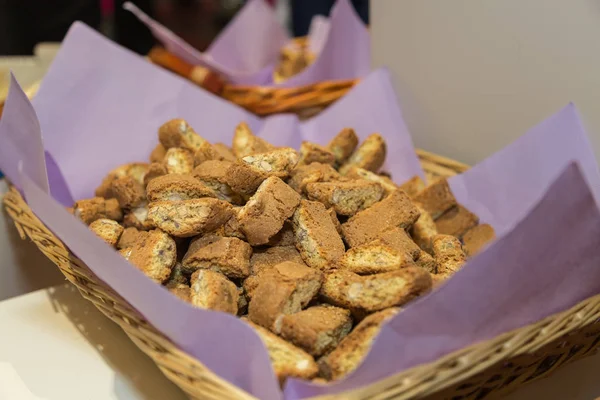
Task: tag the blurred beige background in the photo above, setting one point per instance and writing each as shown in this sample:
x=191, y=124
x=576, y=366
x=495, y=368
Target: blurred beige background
x=473, y=75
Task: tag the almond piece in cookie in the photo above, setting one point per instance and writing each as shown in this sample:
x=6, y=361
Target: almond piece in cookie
x=423, y=230
x=370, y=155
x=375, y=257
x=266, y=211
x=178, y=133
x=285, y=289
x=312, y=152
x=436, y=199
x=179, y=161
x=245, y=143
x=129, y=237
x=413, y=186
x=386, y=183
x=89, y=210
x=343, y=145
x=128, y=192
x=158, y=154
x=366, y=294
x=138, y=218
x=396, y=210
x=315, y=172
x=192, y=217
x=177, y=187
x=227, y=255
x=213, y=173
x=476, y=238
x=108, y=230
x=353, y=348
x=288, y=361
x=346, y=198
x=154, y=254
x=154, y=171
x=316, y=236
x=213, y=291
x=456, y=221
x=448, y=253
x=278, y=162
x=318, y=329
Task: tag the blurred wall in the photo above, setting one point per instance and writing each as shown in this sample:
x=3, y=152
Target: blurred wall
x=474, y=75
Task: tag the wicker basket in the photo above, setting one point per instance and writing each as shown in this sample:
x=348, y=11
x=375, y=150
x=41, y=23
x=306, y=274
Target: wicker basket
x=494, y=366
x=304, y=101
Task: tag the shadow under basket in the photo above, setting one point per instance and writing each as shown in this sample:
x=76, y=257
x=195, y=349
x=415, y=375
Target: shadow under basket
x=494, y=366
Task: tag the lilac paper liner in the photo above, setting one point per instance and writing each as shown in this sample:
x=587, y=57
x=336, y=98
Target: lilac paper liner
x=245, y=51
x=142, y=96
x=211, y=336
x=336, y=59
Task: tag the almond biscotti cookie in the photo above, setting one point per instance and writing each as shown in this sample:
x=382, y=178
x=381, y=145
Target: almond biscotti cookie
x=354, y=347
x=448, y=254
x=266, y=211
x=177, y=187
x=227, y=255
x=343, y=145
x=108, y=230
x=456, y=221
x=436, y=199
x=314, y=172
x=135, y=170
x=89, y=210
x=413, y=186
x=346, y=198
x=129, y=237
x=213, y=291
x=265, y=258
x=396, y=210
x=245, y=143
x=179, y=161
x=154, y=171
x=213, y=173
x=285, y=289
x=154, y=254
x=370, y=155
x=158, y=154
x=137, y=218
x=178, y=133
x=317, y=330
x=288, y=361
x=386, y=183
x=279, y=162
x=128, y=192
x=316, y=236
x=476, y=238
x=375, y=257
x=186, y=218
x=366, y=294
x=312, y=152
x=424, y=229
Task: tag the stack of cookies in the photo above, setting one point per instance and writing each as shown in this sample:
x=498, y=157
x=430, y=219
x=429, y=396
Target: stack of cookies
x=315, y=248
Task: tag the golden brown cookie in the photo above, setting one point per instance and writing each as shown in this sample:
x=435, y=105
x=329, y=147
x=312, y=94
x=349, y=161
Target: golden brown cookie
x=317, y=330
x=288, y=361
x=265, y=258
x=413, y=186
x=386, y=183
x=354, y=347
x=179, y=161
x=266, y=211
x=154, y=254
x=424, y=229
x=436, y=199
x=346, y=198
x=227, y=255
x=316, y=236
x=456, y=221
x=177, y=187
x=128, y=192
x=135, y=170
x=398, y=239
x=178, y=133
x=370, y=155
x=315, y=172
x=186, y=218
x=312, y=152
x=375, y=257
x=448, y=253
x=108, y=230
x=279, y=162
x=129, y=237
x=396, y=210
x=245, y=143
x=154, y=171
x=476, y=238
x=158, y=154
x=213, y=291
x=89, y=210
x=213, y=173
x=285, y=237
x=366, y=294
x=138, y=218
x=343, y=145
x=426, y=262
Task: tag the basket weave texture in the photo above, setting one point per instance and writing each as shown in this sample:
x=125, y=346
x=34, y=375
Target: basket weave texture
x=495, y=366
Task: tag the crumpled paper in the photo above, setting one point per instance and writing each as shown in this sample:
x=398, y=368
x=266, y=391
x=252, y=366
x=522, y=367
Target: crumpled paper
x=100, y=106
x=247, y=51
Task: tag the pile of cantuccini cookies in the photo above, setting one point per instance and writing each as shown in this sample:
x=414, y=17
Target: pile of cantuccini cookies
x=315, y=249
